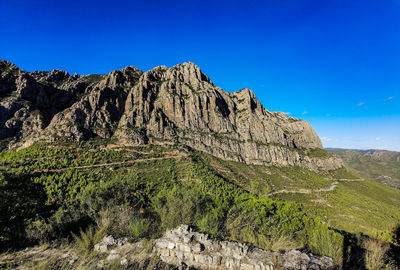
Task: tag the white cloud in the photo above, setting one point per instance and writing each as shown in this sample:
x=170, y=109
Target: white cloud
x=360, y=104
x=326, y=139
x=378, y=138
x=305, y=112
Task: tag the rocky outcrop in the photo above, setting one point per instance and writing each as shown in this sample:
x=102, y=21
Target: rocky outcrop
x=183, y=246
x=187, y=249
x=178, y=104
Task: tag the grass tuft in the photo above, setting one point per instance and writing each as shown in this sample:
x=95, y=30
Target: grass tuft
x=84, y=243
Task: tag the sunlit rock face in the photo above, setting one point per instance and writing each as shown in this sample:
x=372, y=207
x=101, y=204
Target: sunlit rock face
x=178, y=104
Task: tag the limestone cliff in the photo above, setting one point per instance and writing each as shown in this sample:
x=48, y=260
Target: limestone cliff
x=178, y=104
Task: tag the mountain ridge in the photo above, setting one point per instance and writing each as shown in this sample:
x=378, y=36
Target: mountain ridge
x=379, y=165
x=178, y=104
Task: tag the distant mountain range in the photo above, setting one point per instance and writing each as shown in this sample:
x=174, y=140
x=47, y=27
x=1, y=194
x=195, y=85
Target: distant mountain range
x=380, y=165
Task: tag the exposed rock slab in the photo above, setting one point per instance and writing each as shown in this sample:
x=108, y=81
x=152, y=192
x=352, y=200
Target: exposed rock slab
x=187, y=249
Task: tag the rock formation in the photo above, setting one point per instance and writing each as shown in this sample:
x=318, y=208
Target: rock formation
x=178, y=104
x=187, y=249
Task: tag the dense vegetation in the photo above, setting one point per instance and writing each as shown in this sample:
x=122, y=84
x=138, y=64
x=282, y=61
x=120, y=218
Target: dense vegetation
x=356, y=205
x=68, y=191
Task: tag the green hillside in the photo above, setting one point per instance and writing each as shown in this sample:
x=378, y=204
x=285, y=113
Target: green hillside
x=52, y=191
x=379, y=165
x=356, y=205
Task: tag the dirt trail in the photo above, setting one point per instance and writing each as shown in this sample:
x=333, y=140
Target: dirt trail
x=309, y=191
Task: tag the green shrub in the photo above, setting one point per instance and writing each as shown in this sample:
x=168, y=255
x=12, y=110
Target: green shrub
x=139, y=228
x=121, y=190
x=59, y=225
x=323, y=241
x=122, y=220
x=180, y=204
x=212, y=222
x=62, y=188
x=84, y=243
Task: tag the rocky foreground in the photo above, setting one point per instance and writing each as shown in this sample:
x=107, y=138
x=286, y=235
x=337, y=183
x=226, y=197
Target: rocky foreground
x=163, y=105
x=181, y=248
x=185, y=248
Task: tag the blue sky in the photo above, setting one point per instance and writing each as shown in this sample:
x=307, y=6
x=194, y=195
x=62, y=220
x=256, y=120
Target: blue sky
x=333, y=63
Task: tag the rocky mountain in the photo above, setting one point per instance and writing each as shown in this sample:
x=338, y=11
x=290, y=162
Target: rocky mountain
x=382, y=155
x=178, y=105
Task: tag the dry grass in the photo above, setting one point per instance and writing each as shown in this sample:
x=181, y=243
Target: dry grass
x=282, y=242
x=375, y=255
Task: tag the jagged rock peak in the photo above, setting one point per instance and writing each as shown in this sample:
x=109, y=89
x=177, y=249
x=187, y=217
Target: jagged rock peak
x=57, y=75
x=188, y=72
x=127, y=71
x=127, y=75
x=178, y=104
x=7, y=67
x=245, y=93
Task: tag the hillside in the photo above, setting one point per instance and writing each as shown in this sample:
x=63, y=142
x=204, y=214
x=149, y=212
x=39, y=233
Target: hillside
x=133, y=155
x=345, y=200
x=380, y=165
x=52, y=189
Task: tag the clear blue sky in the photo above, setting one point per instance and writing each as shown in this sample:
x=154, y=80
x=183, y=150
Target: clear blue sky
x=334, y=63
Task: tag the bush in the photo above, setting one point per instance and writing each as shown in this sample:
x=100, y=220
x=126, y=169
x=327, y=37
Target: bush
x=212, y=222
x=375, y=254
x=323, y=241
x=60, y=224
x=62, y=188
x=139, y=228
x=84, y=243
x=120, y=221
x=180, y=204
x=265, y=224
x=127, y=190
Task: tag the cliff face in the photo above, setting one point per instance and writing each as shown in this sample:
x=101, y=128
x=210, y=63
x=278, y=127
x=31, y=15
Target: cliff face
x=178, y=104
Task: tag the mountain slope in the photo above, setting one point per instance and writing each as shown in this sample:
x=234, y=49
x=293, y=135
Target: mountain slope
x=344, y=200
x=380, y=165
x=178, y=104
